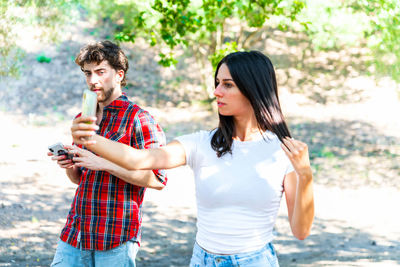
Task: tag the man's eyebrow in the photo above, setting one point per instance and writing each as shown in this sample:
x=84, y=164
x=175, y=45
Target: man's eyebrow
x=94, y=70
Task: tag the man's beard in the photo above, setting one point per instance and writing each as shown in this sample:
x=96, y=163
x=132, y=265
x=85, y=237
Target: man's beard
x=107, y=95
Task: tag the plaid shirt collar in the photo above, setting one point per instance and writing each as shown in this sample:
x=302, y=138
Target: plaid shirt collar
x=117, y=104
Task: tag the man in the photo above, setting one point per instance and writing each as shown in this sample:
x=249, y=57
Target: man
x=103, y=226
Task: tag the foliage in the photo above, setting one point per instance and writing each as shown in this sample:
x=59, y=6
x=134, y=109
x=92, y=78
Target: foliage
x=206, y=24
x=43, y=59
x=9, y=54
x=384, y=33
x=47, y=17
x=221, y=53
x=355, y=23
x=329, y=22
x=208, y=29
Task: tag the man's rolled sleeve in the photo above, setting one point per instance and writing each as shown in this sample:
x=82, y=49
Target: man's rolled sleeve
x=148, y=134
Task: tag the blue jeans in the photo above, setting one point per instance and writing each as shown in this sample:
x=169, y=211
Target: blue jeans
x=121, y=256
x=265, y=257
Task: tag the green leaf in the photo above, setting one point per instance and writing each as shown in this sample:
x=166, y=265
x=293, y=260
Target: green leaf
x=43, y=59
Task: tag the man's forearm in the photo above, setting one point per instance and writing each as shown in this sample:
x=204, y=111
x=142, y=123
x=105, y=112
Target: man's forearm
x=74, y=174
x=143, y=178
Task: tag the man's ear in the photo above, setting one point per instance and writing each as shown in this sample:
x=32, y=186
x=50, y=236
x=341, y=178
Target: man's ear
x=120, y=75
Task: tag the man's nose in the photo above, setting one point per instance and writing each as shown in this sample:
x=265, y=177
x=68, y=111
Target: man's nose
x=93, y=79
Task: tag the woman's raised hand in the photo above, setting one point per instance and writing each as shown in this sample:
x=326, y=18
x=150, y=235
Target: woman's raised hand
x=297, y=152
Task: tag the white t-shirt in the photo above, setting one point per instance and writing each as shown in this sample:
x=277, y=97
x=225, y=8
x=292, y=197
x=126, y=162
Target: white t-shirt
x=238, y=195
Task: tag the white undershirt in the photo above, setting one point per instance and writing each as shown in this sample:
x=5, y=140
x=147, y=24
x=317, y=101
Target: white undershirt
x=238, y=195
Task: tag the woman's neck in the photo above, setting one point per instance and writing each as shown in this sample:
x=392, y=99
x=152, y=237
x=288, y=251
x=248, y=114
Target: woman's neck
x=246, y=129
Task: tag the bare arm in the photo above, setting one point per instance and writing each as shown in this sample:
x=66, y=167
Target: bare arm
x=74, y=174
x=299, y=189
x=143, y=178
x=170, y=156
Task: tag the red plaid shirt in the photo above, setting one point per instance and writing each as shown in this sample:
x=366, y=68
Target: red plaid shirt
x=106, y=211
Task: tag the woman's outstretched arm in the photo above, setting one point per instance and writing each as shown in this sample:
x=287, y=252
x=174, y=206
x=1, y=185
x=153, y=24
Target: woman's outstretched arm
x=170, y=156
x=299, y=188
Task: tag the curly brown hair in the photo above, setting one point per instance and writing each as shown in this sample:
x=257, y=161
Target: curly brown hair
x=100, y=51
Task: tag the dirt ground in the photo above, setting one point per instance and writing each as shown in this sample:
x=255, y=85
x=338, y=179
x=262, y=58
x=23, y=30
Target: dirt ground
x=353, y=226
x=354, y=147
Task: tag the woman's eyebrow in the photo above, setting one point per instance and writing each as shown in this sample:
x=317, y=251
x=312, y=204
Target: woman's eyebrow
x=224, y=80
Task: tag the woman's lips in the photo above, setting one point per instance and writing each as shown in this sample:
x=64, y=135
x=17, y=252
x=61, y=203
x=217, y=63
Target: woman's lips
x=220, y=104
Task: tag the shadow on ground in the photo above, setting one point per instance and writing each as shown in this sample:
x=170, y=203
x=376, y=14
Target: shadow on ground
x=41, y=208
x=350, y=153
x=166, y=241
x=31, y=222
x=335, y=241
x=343, y=153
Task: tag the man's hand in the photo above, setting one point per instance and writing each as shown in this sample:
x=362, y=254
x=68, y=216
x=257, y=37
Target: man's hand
x=85, y=158
x=82, y=129
x=62, y=161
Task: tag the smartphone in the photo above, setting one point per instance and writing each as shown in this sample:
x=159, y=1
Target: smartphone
x=58, y=150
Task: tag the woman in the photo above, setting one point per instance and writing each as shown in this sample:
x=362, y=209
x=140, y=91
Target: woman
x=241, y=168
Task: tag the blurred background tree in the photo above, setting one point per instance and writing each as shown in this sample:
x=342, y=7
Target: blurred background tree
x=208, y=29
x=374, y=24
x=50, y=16
x=383, y=35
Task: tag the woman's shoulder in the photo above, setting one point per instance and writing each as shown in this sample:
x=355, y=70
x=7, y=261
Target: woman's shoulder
x=197, y=137
x=201, y=135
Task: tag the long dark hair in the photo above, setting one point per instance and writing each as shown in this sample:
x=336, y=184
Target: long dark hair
x=254, y=75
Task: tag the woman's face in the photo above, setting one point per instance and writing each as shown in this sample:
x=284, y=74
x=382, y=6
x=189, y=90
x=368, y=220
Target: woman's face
x=230, y=101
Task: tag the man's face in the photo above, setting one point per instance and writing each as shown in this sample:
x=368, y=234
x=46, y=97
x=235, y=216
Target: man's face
x=103, y=80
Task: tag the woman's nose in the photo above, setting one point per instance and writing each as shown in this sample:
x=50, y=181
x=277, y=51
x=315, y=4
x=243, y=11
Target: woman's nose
x=217, y=91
